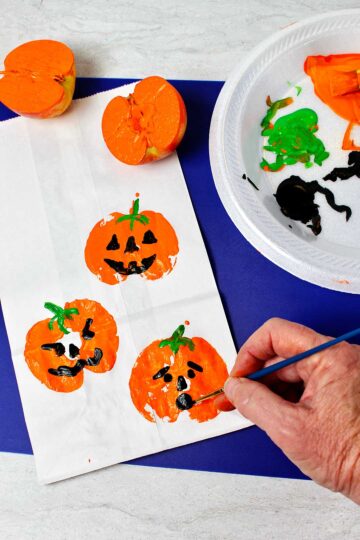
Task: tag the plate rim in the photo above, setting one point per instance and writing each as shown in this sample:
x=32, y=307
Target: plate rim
x=350, y=282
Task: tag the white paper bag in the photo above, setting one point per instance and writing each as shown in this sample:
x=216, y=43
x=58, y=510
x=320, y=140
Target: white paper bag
x=58, y=181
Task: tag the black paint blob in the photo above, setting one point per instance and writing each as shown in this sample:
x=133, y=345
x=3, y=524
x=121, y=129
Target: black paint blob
x=161, y=372
x=195, y=366
x=184, y=402
x=86, y=332
x=344, y=173
x=73, y=350
x=296, y=200
x=181, y=383
x=57, y=347
x=131, y=245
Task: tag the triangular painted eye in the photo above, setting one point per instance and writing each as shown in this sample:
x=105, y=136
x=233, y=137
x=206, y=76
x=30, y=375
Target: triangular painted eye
x=113, y=244
x=149, y=238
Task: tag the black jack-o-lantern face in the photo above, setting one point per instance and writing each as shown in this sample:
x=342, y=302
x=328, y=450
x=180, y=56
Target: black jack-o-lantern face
x=171, y=374
x=137, y=243
x=73, y=353
x=83, y=335
x=131, y=247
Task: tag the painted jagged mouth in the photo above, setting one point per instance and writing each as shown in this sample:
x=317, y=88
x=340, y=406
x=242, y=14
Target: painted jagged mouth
x=133, y=267
x=72, y=371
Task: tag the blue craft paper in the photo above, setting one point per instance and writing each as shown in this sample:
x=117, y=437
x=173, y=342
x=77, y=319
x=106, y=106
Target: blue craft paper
x=252, y=290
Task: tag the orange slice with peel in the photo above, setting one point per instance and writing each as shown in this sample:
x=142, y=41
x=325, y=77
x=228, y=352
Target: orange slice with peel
x=147, y=125
x=38, y=79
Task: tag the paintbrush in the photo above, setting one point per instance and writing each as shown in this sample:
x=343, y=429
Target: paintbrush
x=287, y=362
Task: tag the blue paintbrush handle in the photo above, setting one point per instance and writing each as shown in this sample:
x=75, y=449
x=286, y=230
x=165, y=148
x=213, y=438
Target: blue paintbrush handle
x=279, y=365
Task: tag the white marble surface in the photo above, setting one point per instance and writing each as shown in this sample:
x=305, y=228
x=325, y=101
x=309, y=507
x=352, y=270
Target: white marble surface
x=200, y=39
x=128, y=502
x=184, y=39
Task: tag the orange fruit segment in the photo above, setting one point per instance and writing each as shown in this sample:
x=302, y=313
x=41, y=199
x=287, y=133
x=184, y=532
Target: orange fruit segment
x=147, y=125
x=38, y=79
x=119, y=132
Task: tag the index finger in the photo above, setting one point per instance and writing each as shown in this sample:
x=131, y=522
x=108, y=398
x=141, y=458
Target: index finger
x=277, y=339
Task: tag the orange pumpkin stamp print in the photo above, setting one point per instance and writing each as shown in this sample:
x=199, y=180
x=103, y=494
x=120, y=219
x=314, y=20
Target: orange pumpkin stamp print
x=171, y=374
x=82, y=335
x=138, y=243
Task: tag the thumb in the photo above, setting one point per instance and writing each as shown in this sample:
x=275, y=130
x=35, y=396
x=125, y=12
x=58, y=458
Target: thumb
x=259, y=404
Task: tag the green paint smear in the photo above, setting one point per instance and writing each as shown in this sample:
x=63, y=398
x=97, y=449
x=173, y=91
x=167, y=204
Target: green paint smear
x=134, y=216
x=297, y=88
x=60, y=315
x=177, y=340
x=292, y=138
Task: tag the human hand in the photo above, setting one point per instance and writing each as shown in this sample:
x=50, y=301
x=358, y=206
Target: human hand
x=310, y=409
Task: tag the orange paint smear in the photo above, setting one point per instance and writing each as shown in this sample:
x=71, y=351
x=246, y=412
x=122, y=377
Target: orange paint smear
x=336, y=80
x=155, y=396
x=40, y=361
x=147, y=125
x=39, y=79
x=166, y=248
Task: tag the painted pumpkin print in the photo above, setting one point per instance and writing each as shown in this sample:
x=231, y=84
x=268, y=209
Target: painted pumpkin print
x=171, y=374
x=138, y=243
x=82, y=335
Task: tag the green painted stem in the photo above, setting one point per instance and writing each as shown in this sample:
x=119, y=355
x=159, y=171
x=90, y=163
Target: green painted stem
x=60, y=315
x=177, y=340
x=134, y=216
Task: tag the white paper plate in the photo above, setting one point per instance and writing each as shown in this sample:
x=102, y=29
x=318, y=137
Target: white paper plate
x=331, y=259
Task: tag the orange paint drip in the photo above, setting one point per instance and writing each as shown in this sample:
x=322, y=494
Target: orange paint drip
x=348, y=142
